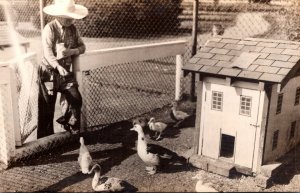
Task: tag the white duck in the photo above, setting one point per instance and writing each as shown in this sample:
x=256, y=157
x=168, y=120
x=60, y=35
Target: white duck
x=107, y=184
x=84, y=158
x=157, y=127
x=154, y=155
x=203, y=187
x=177, y=115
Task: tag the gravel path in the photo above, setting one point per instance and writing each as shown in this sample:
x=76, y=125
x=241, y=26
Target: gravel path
x=248, y=24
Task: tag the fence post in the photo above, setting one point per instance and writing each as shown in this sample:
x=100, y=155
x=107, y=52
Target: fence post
x=195, y=27
x=194, y=44
x=10, y=133
x=42, y=17
x=15, y=108
x=179, y=65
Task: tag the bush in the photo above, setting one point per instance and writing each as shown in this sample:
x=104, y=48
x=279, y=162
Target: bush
x=130, y=18
x=293, y=21
x=127, y=18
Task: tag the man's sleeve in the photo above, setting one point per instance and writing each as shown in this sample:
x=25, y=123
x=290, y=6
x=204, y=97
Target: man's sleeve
x=81, y=46
x=48, y=44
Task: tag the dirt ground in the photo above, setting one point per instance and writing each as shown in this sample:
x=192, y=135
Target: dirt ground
x=114, y=149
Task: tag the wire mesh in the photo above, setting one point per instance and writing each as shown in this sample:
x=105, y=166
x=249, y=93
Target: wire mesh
x=243, y=18
x=26, y=73
x=120, y=92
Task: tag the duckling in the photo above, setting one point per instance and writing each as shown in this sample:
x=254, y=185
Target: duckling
x=157, y=127
x=203, y=187
x=217, y=29
x=154, y=155
x=177, y=115
x=141, y=121
x=84, y=158
x=107, y=184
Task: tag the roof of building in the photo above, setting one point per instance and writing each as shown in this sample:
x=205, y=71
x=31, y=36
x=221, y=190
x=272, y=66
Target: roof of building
x=250, y=58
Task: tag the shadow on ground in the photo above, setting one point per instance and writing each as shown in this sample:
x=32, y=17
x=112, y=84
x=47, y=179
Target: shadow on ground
x=117, y=134
x=289, y=169
x=110, y=147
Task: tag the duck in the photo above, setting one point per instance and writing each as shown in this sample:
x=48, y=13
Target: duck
x=108, y=184
x=157, y=127
x=152, y=155
x=203, y=187
x=217, y=29
x=141, y=121
x=84, y=159
x=177, y=115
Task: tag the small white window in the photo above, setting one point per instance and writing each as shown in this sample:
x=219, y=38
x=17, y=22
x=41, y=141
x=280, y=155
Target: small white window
x=245, y=105
x=217, y=101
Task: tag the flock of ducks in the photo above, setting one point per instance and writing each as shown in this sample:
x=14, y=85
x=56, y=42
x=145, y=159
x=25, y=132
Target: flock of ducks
x=154, y=156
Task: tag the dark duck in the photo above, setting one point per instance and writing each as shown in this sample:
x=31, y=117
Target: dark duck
x=177, y=115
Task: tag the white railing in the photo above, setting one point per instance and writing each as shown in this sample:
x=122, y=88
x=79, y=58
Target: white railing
x=114, y=56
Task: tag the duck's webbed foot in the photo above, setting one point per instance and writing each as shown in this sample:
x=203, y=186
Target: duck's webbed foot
x=151, y=170
x=159, y=137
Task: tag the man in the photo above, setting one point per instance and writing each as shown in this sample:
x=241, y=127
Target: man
x=61, y=44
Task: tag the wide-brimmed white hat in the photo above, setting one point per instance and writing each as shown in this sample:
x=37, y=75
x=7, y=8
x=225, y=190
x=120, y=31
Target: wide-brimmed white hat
x=66, y=8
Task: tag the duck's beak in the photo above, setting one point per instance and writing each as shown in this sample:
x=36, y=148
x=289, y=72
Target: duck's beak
x=132, y=129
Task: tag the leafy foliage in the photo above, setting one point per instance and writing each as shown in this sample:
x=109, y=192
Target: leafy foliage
x=293, y=21
x=130, y=18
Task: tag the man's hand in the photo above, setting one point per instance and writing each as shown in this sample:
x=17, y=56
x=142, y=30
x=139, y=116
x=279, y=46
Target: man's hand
x=69, y=52
x=62, y=71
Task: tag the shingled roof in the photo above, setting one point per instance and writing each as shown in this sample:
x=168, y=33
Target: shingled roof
x=250, y=58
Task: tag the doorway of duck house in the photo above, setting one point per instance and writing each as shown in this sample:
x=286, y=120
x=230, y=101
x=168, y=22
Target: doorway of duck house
x=227, y=146
x=229, y=124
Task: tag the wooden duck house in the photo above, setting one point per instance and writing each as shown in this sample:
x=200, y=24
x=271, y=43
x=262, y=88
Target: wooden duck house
x=248, y=102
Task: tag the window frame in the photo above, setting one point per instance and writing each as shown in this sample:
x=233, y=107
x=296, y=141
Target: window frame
x=279, y=103
x=275, y=140
x=292, y=130
x=212, y=100
x=240, y=108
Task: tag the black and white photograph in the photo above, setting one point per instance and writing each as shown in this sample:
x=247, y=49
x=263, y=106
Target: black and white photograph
x=149, y=95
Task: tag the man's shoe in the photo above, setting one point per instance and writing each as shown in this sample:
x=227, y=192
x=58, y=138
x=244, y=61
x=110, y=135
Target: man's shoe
x=74, y=131
x=61, y=120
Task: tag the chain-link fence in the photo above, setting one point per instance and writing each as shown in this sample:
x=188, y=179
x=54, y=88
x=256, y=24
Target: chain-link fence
x=120, y=92
x=26, y=73
x=127, y=90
